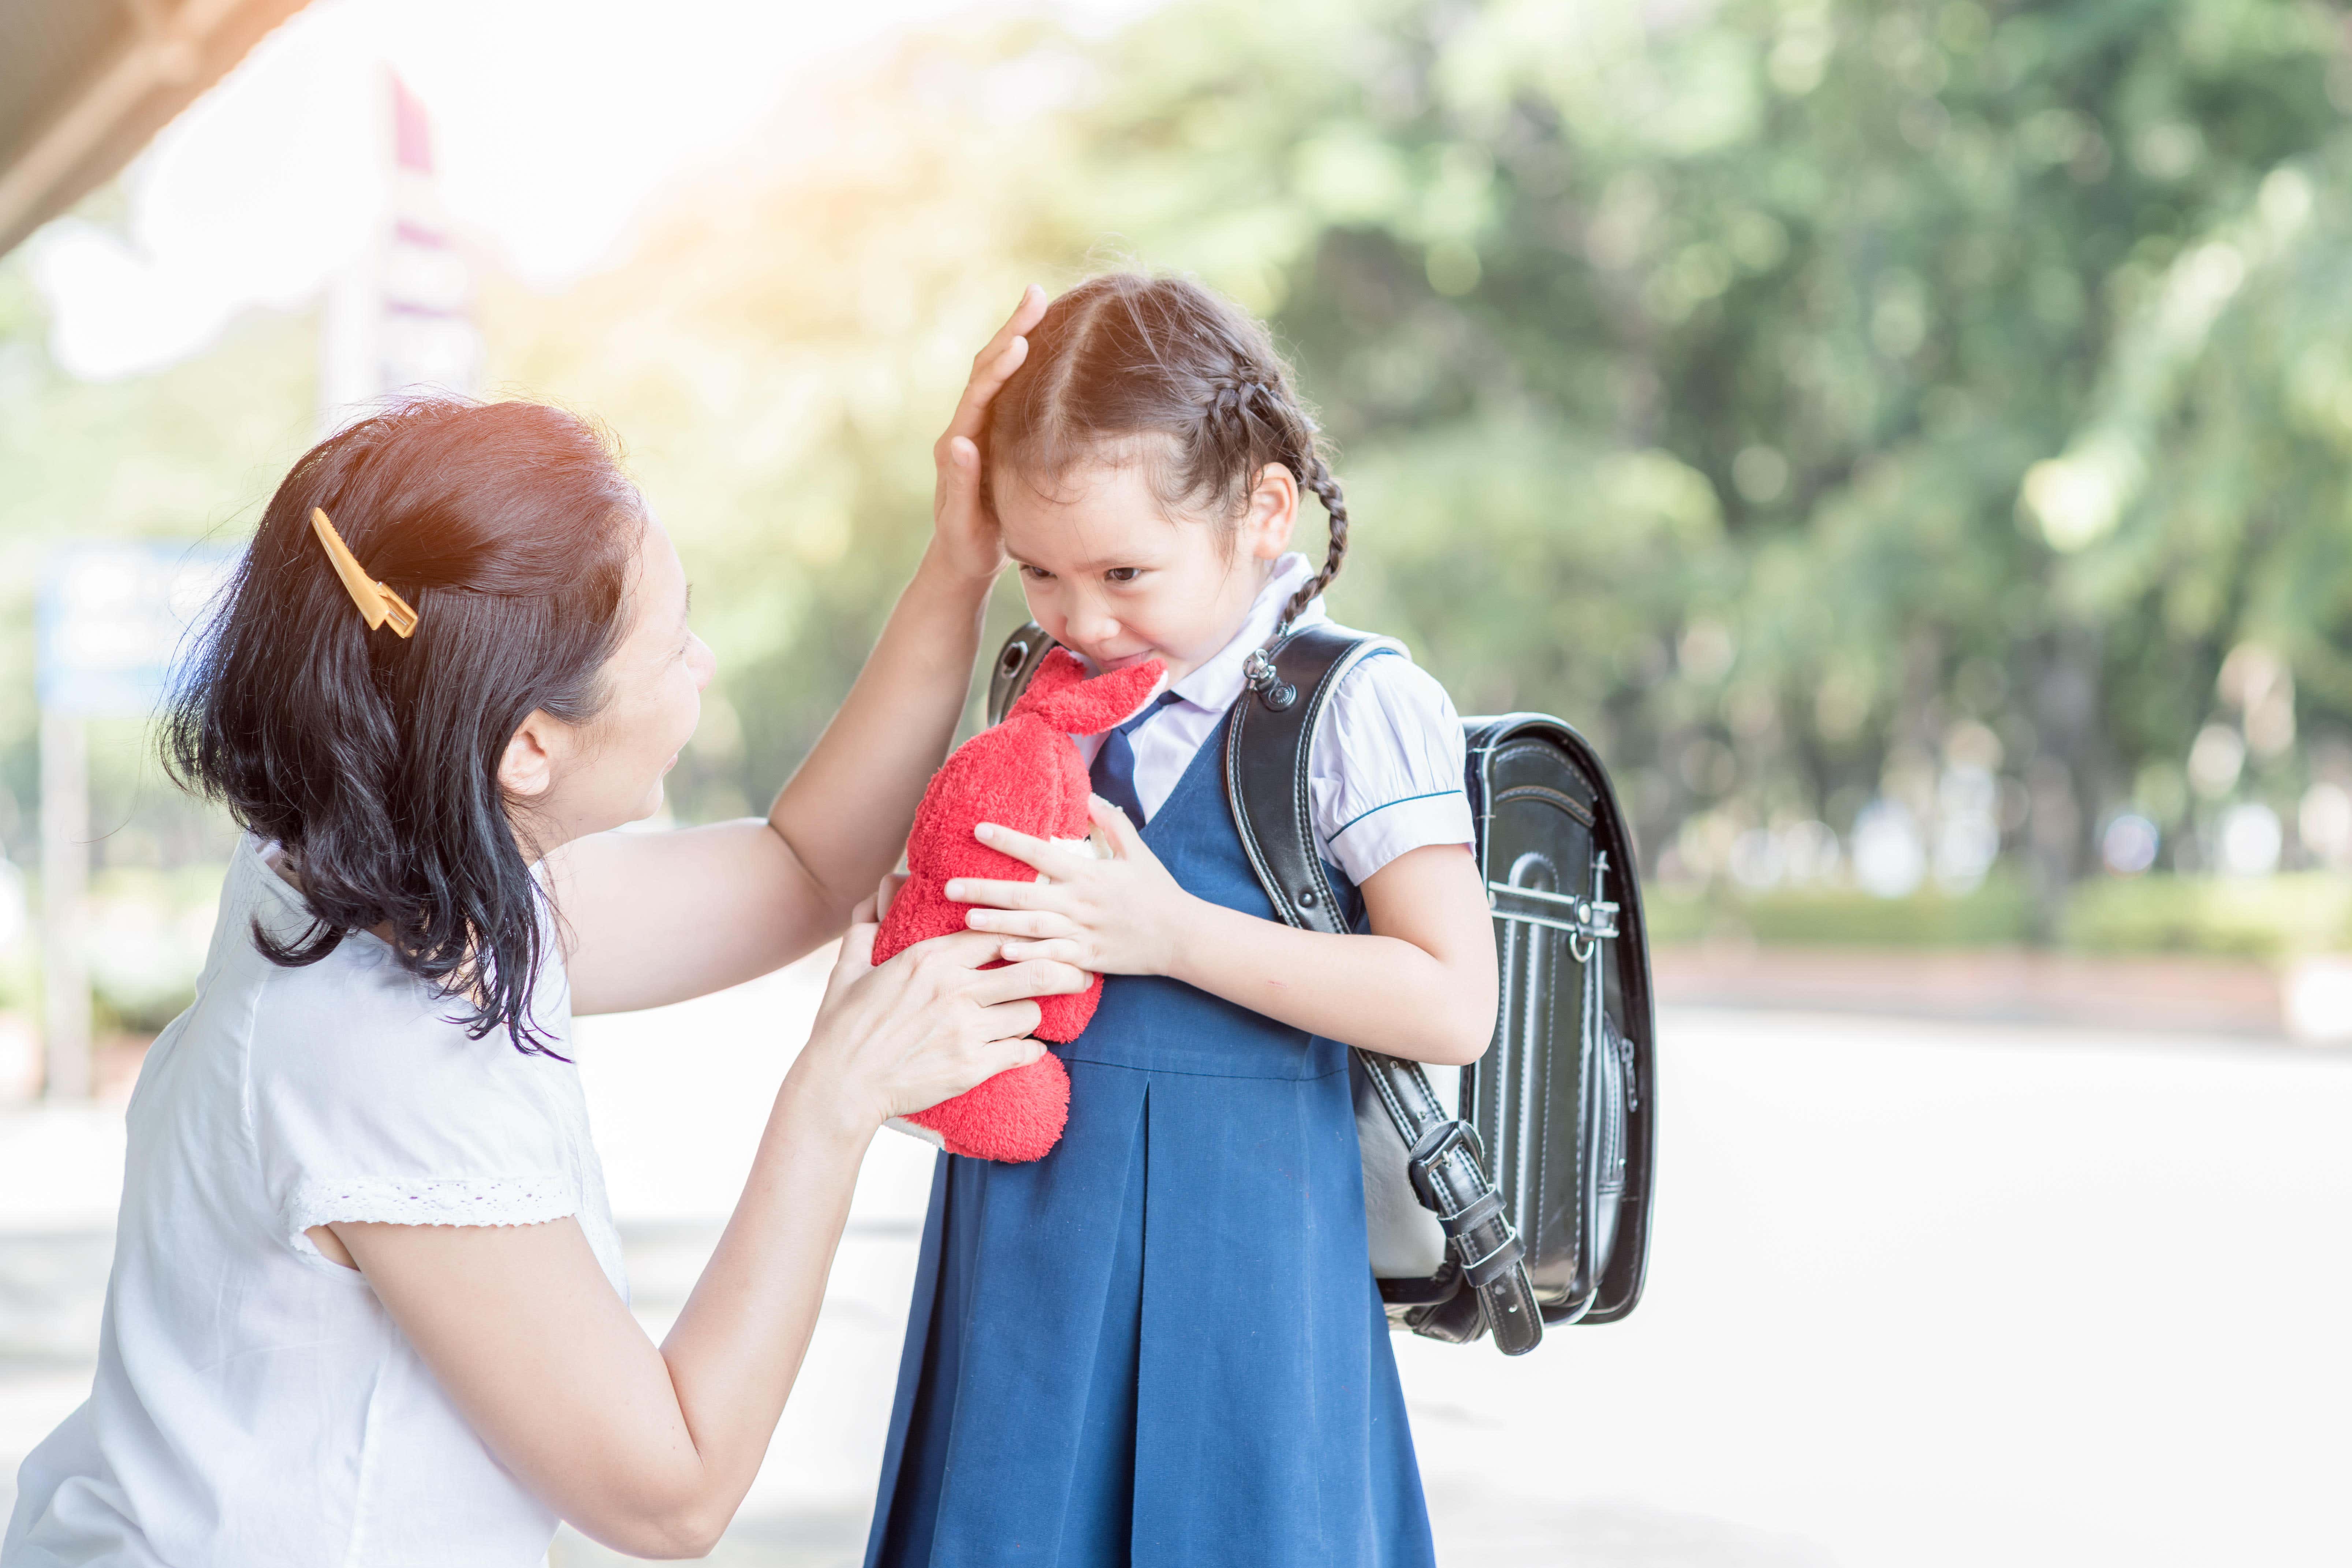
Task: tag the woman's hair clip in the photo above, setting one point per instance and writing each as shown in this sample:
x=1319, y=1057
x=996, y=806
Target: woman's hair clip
x=376, y=602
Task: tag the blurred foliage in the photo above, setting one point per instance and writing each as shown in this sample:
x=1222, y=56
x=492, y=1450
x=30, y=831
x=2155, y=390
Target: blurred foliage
x=1998, y=914
x=2274, y=918
x=20, y=983
x=149, y=931
x=1803, y=398
x=2270, y=917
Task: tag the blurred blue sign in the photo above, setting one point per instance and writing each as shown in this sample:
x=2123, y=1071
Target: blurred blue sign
x=114, y=615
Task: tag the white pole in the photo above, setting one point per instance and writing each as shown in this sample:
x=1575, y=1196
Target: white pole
x=65, y=879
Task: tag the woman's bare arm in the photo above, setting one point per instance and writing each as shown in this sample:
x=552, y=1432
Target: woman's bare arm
x=648, y=1450
x=660, y=917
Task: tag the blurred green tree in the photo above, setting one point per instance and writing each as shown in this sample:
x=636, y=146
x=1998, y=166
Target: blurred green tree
x=1857, y=271
x=1918, y=401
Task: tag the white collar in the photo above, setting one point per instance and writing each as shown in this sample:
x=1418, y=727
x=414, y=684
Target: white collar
x=1217, y=681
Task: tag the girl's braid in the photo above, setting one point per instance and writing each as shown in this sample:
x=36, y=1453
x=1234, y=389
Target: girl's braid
x=1318, y=478
x=1284, y=430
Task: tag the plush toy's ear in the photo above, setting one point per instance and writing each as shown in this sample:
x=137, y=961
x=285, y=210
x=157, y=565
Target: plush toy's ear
x=1061, y=672
x=1064, y=700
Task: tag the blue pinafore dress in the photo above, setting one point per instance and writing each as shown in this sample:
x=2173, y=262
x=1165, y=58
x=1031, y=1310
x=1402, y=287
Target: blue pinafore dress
x=1160, y=1344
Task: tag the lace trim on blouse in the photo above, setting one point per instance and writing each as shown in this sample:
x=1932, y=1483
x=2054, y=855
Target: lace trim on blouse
x=450, y=1200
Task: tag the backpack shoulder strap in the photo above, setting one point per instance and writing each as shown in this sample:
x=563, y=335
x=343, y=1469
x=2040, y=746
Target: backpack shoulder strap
x=1016, y=665
x=1267, y=743
x=1268, y=738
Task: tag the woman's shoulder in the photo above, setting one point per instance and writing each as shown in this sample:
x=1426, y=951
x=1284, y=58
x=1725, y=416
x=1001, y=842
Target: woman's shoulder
x=355, y=1003
x=356, y=1025
x=355, y=1057
x=372, y=1101
x=350, y=1087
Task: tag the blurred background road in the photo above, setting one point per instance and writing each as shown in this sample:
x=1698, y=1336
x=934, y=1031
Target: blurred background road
x=1924, y=1295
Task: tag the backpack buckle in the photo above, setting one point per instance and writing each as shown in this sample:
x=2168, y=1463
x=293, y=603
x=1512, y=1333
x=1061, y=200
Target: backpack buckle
x=1483, y=1215
x=1434, y=1145
x=1587, y=920
x=1586, y=917
x=1259, y=674
x=1483, y=1268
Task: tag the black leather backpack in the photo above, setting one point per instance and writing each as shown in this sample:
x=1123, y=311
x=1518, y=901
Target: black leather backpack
x=1556, y=1228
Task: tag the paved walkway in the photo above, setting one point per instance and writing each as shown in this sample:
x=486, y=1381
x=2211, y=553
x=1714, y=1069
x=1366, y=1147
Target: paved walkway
x=1921, y=1296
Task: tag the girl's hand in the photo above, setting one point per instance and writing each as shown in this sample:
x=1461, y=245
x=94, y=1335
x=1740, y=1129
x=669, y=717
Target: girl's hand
x=1120, y=916
x=962, y=529
x=898, y=1037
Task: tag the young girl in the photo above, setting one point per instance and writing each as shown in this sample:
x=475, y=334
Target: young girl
x=1163, y=1343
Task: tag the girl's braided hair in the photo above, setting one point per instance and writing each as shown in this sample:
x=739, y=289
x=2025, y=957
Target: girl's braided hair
x=1123, y=357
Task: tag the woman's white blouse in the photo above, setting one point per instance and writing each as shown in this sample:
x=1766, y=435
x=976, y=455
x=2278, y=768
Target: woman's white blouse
x=1385, y=772
x=254, y=1404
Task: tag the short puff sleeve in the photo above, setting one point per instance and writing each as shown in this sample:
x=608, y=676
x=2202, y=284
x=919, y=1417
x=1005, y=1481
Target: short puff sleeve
x=368, y=1103
x=1384, y=776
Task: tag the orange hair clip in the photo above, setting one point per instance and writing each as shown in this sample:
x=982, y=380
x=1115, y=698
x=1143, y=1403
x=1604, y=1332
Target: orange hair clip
x=376, y=602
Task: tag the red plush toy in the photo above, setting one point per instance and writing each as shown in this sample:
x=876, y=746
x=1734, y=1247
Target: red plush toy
x=1024, y=774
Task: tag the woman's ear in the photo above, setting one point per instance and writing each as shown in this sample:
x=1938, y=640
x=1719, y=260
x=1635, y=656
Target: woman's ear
x=528, y=768
x=1271, y=511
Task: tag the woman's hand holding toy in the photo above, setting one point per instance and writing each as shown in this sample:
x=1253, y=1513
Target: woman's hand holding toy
x=1123, y=915
x=901, y=1036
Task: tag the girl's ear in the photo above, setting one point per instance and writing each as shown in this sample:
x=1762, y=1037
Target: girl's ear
x=1271, y=512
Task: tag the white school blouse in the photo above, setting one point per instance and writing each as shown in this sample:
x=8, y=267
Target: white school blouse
x=255, y=1406
x=1385, y=772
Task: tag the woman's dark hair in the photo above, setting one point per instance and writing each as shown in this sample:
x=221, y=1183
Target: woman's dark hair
x=1122, y=356
x=374, y=758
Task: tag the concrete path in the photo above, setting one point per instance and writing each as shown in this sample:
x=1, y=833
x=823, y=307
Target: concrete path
x=1921, y=1295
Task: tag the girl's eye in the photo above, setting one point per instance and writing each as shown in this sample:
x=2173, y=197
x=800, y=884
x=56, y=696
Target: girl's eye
x=1036, y=573
x=1123, y=574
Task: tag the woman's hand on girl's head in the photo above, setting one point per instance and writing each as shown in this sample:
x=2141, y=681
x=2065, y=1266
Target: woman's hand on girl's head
x=962, y=528
x=1124, y=915
x=901, y=1036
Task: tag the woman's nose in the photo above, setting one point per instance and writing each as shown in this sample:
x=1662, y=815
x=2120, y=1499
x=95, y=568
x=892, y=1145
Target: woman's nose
x=703, y=662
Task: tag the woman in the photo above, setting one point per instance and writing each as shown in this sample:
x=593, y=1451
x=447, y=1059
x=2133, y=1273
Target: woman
x=366, y=1303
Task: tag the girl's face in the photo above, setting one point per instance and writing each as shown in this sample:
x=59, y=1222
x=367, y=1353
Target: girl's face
x=583, y=779
x=1109, y=573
